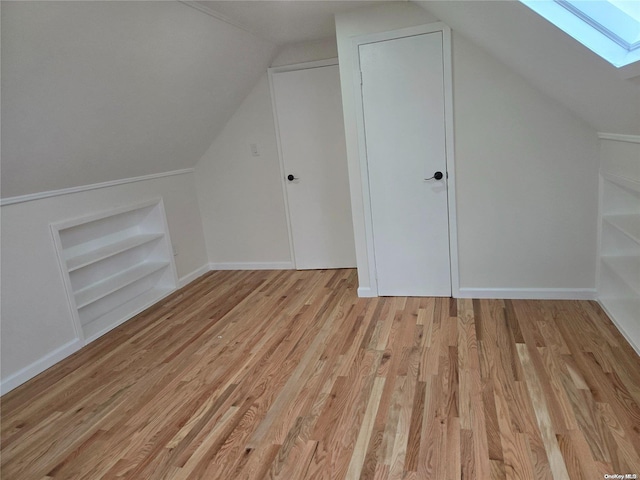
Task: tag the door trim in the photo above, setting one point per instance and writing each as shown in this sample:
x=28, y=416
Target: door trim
x=449, y=144
x=283, y=184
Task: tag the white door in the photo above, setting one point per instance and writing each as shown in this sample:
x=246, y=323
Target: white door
x=309, y=113
x=404, y=121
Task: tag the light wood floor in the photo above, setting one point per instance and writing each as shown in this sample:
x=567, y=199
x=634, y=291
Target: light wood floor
x=289, y=375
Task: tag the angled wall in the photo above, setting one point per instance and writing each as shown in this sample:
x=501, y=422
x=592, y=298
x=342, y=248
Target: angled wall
x=99, y=91
x=241, y=197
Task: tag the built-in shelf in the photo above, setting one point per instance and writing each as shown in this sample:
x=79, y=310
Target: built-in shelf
x=622, y=181
x=624, y=313
x=83, y=259
x=115, y=264
x=94, y=292
x=120, y=314
x=627, y=224
x=619, y=272
x=627, y=269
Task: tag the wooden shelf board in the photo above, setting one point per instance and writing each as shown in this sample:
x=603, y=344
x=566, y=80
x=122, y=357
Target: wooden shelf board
x=112, y=284
x=122, y=313
x=627, y=224
x=627, y=268
x=84, y=259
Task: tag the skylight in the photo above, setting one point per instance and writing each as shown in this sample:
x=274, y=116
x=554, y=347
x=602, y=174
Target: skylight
x=610, y=28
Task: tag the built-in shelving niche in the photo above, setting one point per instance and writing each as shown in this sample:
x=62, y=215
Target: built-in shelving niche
x=115, y=264
x=619, y=279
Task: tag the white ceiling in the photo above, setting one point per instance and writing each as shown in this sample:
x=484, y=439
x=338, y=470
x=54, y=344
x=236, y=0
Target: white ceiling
x=98, y=91
x=545, y=56
x=289, y=21
x=548, y=59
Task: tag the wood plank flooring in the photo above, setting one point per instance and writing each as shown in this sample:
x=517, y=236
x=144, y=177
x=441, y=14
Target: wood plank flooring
x=288, y=375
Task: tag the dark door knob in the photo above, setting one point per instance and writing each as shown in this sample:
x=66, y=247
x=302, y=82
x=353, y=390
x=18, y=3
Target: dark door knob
x=437, y=176
x=291, y=178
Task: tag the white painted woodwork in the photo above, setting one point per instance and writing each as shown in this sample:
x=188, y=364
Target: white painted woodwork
x=309, y=115
x=87, y=258
x=94, y=292
x=105, y=322
x=404, y=120
x=30, y=264
x=627, y=224
x=627, y=268
x=115, y=264
x=619, y=266
x=94, y=186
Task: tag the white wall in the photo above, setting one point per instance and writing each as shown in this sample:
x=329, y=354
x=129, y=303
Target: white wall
x=526, y=173
x=100, y=91
x=527, y=191
x=240, y=195
x=241, y=198
x=306, y=52
x=36, y=319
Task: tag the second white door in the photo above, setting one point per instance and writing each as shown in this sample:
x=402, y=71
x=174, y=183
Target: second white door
x=404, y=122
x=309, y=114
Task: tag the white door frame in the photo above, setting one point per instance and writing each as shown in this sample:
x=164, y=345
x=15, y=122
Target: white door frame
x=281, y=69
x=449, y=143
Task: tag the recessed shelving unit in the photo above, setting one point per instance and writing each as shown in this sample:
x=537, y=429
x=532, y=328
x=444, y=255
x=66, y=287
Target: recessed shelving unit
x=627, y=224
x=83, y=259
x=627, y=268
x=115, y=264
x=96, y=291
x=619, y=278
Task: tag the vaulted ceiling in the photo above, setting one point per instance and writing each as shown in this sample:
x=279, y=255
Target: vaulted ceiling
x=99, y=91
x=549, y=59
x=285, y=22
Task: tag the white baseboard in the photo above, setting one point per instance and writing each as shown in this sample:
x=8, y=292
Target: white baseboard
x=39, y=366
x=190, y=277
x=252, y=266
x=366, y=292
x=529, y=293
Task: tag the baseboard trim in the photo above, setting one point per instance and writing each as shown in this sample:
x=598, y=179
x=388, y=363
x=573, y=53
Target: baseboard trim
x=251, y=266
x=366, y=292
x=530, y=293
x=190, y=277
x=622, y=331
x=39, y=366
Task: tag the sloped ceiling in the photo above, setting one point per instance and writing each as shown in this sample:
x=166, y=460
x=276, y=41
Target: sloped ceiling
x=288, y=21
x=548, y=59
x=99, y=91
